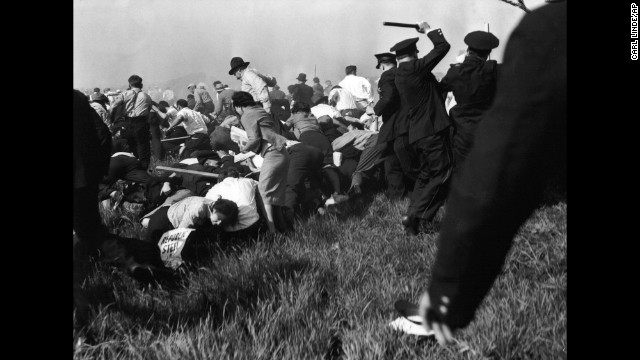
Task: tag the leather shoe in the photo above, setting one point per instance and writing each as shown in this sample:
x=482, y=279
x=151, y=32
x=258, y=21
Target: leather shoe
x=411, y=224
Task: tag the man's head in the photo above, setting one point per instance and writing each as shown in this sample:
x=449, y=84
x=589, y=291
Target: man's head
x=386, y=60
x=99, y=98
x=241, y=100
x=238, y=67
x=182, y=103
x=190, y=96
x=481, y=43
x=96, y=90
x=223, y=212
x=276, y=87
x=217, y=85
x=162, y=106
x=135, y=81
x=191, y=87
x=302, y=78
x=202, y=86
x=302, y=107
x=328, y=82
x=316, y=80
x=230, y=172
x=351, y=70
x=406, y=49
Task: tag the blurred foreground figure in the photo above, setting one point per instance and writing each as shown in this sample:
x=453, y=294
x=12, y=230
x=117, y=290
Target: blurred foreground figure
x=91, y=155
x=521, y=142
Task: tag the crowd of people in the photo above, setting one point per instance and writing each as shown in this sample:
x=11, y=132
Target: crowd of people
x=299, y=152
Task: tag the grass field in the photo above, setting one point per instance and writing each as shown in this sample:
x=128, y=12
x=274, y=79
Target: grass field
x=327, y=292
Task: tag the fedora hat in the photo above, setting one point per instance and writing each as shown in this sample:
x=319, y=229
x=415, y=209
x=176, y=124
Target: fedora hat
x=302, y=77
x=237, y=63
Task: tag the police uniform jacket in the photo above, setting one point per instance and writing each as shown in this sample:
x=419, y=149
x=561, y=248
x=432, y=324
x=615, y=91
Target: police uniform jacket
x=473, y=83
x=420, y=91
x=393, y=117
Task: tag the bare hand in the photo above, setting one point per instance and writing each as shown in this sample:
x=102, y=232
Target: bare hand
x=166, y=188
x=423, y=27
x=441, y=330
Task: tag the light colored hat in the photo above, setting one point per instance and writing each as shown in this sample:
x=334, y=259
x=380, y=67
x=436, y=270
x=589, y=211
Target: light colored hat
x=190, y=85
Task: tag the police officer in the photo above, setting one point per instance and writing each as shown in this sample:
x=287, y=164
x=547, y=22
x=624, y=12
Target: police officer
x=473, y=83
x=398, y=161
x=429, y=125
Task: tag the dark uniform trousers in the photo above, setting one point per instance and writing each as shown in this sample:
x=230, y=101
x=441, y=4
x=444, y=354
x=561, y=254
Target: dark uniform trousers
x=436, y=163
x=399, y=168
x=304, y=162
x=136, y=131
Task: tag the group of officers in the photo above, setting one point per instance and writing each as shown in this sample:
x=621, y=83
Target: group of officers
x=425, y=143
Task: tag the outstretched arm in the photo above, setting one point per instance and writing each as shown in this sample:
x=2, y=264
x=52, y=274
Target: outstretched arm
x=440, y=48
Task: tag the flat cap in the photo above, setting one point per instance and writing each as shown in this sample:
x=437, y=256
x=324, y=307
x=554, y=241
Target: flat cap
x=481, y=40
x=405, y=46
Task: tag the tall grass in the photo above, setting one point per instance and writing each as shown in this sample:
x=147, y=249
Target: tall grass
x=327, y=292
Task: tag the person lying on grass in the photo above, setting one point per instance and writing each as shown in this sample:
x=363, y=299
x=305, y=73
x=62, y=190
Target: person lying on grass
x=194, y=212
x=243, y=192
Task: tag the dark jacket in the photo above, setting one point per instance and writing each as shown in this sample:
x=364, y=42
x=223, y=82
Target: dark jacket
x=520, y=142
x=394, y=119
x=473, y=83
x=420, y=91
x=302, y=93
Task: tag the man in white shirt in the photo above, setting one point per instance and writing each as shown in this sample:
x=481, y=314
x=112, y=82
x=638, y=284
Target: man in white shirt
x=327, y=114
x=196, y=127
x=241, y=191
x=358, y=86
x=136, y=106
x=192, y=212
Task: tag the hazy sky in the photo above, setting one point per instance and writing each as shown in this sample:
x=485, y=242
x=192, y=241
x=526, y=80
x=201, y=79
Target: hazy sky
x=165, y=39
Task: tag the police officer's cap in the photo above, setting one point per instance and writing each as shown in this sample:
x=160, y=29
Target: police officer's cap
x=481, y=40
x=407, y=46
x=385, y=57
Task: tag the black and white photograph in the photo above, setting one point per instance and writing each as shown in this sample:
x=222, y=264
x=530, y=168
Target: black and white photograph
x=330, y=179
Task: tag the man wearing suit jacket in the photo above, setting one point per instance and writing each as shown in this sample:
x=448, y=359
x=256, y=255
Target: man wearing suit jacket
x=388, y=107
x=429, y=126
x=521, y=141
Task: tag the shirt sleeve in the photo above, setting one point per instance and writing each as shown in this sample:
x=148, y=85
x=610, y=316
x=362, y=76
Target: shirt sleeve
x=214, y=193
x=198, y=97
x=218, y=105
x=366, y=85
x=193, y=216
x=254, y=136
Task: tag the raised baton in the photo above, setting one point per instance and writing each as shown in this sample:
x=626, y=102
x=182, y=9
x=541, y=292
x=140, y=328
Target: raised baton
x=387, y=23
